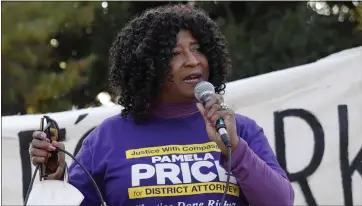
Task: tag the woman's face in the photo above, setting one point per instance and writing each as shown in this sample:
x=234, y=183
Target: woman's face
x=188, y=67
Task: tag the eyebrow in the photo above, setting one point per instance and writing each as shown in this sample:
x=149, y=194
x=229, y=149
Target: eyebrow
x=192, y=43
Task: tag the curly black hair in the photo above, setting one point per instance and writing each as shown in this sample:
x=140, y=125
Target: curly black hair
x=141, y=53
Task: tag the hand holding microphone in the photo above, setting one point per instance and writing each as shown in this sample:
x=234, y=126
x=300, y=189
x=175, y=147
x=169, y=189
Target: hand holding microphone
x=220, y=123
x=217, y=116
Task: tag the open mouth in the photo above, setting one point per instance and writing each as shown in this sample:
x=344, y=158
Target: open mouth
x=193, y=78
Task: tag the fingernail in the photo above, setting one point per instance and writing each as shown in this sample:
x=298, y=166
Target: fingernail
x=52, y=148
x=205, y=113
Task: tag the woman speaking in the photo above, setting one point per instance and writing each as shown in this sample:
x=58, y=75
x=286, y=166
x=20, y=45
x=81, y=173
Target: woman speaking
x=164, y=148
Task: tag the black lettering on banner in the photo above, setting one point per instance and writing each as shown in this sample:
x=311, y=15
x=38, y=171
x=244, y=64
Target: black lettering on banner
x=347, y=170
x=80, y=118
x=318, y=133
x=25, y=138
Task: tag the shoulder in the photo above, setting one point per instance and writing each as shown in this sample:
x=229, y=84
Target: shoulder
x=108, y=128
x=247, y=127
x=115, y=121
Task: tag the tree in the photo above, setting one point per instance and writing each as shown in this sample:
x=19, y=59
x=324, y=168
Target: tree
x=358, y=16
x=41, y=38
x=33, y=78
x=269, y=36
x=108, y=21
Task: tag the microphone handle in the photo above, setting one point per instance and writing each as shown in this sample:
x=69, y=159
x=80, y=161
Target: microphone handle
x=220, y=123
x=221, y=129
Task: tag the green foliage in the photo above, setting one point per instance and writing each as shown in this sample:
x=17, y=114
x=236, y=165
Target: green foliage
x=263, y=37
x=30, y=74
x=358, y=16
x=269, y=36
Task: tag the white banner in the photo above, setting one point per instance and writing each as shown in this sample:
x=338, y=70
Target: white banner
x=312, y=115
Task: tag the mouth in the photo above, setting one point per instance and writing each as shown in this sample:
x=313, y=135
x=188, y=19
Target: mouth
x=193, y=78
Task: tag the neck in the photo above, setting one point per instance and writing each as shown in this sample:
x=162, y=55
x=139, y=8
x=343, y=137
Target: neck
x=174, y=110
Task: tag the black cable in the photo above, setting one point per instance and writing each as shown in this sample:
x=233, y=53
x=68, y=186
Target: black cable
x=31, y=185
x=228, y=175
x=103, y=203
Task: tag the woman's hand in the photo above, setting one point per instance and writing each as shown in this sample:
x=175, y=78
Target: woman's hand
x=211, y=112
x=40, y=149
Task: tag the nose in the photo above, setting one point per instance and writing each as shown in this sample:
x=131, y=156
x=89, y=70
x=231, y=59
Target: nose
x=191, y=60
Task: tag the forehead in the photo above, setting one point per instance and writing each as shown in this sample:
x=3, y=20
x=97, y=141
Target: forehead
x=185, y=37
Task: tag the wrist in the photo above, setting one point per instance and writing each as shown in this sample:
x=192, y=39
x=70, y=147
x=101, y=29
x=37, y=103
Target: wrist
x=234, y=139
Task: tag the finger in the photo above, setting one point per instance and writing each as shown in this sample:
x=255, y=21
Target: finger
x=221, y=114
x=37, y=160
x=57, y=175
x=204, y=116
x=215, y=117
x=202, y=111
x=214, y=108
x=40, y=135
x=58, y=144
x=39, y=153
x=228, y=115
x=41, y=144
x=213, y=99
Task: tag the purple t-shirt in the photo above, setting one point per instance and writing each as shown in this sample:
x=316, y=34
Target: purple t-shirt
x=171, y=162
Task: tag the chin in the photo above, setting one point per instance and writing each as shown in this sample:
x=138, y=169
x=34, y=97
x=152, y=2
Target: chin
x=184, y=92
x=190, y=96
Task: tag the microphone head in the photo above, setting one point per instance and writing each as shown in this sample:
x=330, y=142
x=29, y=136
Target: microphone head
x=203, y=88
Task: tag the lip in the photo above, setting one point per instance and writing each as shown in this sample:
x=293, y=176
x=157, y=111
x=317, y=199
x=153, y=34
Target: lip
x=193, y=81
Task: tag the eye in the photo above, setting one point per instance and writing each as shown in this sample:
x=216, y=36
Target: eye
x=197, y=48
x=176, y=53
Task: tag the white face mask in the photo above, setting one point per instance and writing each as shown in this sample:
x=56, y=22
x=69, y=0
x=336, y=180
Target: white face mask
x=55, y=192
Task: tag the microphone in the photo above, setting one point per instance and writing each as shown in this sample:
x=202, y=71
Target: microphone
x=203, y=92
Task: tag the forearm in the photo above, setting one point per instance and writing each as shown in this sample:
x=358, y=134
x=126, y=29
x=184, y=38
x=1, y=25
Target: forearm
x=260, y=184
